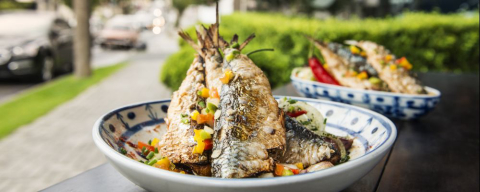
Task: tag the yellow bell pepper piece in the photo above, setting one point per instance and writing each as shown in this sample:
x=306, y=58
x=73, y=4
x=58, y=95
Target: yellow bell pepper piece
x=354, y=49
x=393, y=67
x=196, y=136
x=154, y=142
x=363, y=54
x=194, y=115
x=388, y=58
x=205, y=93
x=299, y=165
x=199, y=147
x=164, y=163
x=362, y=75
x=325, y=66
x=228, y=75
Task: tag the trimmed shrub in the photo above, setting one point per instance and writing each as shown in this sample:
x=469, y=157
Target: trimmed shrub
x=430, y=41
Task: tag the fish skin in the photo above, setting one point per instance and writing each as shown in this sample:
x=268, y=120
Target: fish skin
x=399, y=81
x=304, y=146
x=250, y=124
x=177, y=144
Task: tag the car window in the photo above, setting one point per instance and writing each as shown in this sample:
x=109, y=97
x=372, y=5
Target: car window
x=24, y=24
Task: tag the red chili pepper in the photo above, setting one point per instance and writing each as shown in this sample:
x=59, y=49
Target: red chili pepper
x=320, y=73
x=208, y=144
x=296, y=113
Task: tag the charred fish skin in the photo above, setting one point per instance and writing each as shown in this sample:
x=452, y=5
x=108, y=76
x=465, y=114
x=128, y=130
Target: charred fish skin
x=399, y=80
x=177, y=144
x=304, y=146
x=250, y=123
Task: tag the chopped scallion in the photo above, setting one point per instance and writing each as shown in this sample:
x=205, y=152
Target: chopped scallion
x=150, y=155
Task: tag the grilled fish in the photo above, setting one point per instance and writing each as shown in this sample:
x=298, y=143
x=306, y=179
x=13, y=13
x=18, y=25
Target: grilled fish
x=341, y=62
x=178, y=143
x=249, y=124
x=398, y=79
x=304, y=146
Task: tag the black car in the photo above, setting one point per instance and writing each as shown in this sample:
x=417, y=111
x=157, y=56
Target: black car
x=34, y=44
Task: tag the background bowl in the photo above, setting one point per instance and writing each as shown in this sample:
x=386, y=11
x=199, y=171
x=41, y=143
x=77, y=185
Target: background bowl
x=396, y=105
x=121, y=127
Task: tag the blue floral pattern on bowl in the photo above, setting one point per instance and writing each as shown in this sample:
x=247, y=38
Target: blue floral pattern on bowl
x=402, y=106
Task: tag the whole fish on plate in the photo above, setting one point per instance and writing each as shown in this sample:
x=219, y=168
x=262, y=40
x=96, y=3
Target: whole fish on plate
x=395, y=72
x=306, y=147
x=248, y=123
x=349, y=67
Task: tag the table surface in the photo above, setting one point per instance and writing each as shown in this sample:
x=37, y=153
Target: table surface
x=439, y=152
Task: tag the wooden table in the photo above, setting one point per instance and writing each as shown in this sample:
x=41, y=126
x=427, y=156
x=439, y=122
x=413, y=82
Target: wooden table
x=439, y=152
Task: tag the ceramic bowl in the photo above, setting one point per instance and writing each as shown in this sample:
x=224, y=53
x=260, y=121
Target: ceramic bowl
x=396, y=105
x=374, y=135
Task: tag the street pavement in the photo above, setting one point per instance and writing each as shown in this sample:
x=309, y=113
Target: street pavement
x=59, y=145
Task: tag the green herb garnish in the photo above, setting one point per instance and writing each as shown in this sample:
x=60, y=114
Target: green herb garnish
x=291, y=101
x=201, y=104
x=156, y=150
x=123, y=151
x=150, y=155
x=325, y=121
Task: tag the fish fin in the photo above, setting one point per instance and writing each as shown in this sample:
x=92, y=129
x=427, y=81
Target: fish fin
x=245, y=43
x=190, y=41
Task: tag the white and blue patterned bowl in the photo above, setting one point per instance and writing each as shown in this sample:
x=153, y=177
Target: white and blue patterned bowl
x=117, y=129
x=396, y=105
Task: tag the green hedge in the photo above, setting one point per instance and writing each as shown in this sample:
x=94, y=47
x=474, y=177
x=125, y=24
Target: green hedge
x=431, y=41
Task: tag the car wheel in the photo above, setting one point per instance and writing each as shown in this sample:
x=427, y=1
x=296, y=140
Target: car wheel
x=47, y=72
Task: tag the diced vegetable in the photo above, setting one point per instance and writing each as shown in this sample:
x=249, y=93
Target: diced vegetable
x=227, y=76
x=163, y=163
x=296, y=113
x=208, y=144
x=153, y=161
x=404, y=63
x=296, y=171
x=201, y=104
x=204, y=135
x=150, y=155
x=140, y=146
x=208, y=129
x=214, y=93
x=232, y=55
x=212, y=107
x=199, y=147
x=374, y=80
x=205, y=93
x=388, y=58
x=154, y=142
x=362, y=75
x=204, y=118
x=354, y=49
x=287, y=172
x=393, y=67
x=195, y=115
x=299, y=165
x=279, y=169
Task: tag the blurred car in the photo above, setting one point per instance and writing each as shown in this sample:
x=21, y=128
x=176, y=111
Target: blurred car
x=34, y=44
x=121, y=32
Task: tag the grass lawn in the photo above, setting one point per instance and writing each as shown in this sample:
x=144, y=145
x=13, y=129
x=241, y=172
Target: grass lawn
x=38, y=101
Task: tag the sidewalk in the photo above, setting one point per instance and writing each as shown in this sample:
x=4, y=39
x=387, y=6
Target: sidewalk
x=59, y=145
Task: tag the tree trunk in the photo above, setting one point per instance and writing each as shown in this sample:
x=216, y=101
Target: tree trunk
x=82, y=40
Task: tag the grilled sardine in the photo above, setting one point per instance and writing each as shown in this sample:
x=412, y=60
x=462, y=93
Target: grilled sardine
x=178, y=143
x=398, y=78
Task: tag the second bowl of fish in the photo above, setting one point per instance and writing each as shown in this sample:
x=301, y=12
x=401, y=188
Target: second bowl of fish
x=114, y=132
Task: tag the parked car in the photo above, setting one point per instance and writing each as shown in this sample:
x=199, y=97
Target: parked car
x=121, y=32
x=34, y=44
